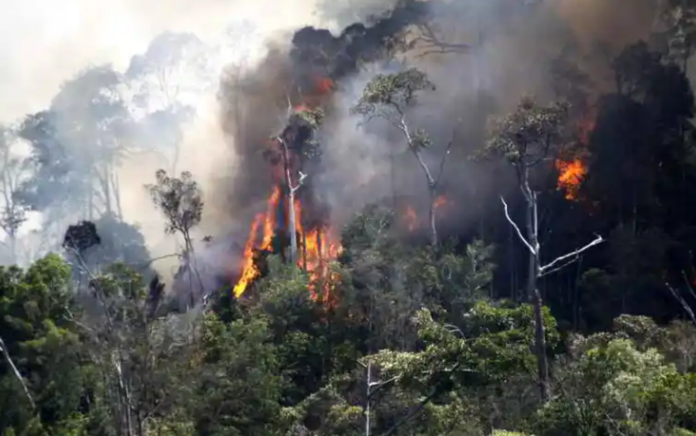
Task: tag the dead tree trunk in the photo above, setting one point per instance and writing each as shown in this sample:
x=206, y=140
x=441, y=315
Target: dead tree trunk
x=292, y=224
x=536, y=271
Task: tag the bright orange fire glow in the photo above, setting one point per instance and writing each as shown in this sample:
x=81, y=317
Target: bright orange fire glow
x=323, y=85
x=440, y=201
x=570, y=177
x=249, y=270
x=572, y=173
x=317, y=248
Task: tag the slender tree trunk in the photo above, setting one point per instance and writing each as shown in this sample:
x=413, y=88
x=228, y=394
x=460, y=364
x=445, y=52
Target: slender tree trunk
x=304, y=251
x=432, y=216
x=117, y=194
x=533, y=272
x=368, y=392
x=292, y=231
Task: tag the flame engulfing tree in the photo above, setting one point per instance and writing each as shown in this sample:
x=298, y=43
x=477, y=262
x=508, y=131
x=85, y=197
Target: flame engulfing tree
x=389, y=97
x=527, y=138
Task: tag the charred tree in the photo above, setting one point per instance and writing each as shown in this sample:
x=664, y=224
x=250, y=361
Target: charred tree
x=297, y=144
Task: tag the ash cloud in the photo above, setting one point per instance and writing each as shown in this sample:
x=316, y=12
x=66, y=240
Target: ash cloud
x=506, y=49
x=511, y=44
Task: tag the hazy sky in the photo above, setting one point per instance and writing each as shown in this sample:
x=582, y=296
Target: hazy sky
x=44, y=42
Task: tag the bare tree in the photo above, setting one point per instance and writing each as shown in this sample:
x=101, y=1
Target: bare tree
x=526, y=138
x=181, y=202
x=389, y=97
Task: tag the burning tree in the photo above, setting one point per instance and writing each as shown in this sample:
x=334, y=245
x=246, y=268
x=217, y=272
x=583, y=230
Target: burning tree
x=526, y=138
x=389, y=97
x=301, y=213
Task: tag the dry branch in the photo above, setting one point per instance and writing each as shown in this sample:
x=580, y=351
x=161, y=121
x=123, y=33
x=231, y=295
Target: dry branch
x=14, y=369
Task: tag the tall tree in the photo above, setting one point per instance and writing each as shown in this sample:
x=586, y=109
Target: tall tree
x=76, y=145
x=390, y=97
x=181, y=202
x=13, y=171
x=528, y=138
x=165, y=83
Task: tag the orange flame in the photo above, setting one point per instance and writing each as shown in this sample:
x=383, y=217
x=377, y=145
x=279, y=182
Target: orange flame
x=320, y=248
x=411, y=218
x=249, y=270
x=323, y=85
x=570, y=177
x=440, y=201
x=572, y=173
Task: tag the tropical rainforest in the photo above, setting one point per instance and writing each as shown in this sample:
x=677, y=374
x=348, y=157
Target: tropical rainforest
x=446, y=218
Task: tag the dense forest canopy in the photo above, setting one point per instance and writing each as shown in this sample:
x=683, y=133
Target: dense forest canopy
x=447, y=218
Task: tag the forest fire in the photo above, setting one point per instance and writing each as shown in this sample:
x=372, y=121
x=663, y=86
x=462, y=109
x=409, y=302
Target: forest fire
x=572, y=172
x=410, y=216
x=250, y=271
x=570, y=177
x=317, y=245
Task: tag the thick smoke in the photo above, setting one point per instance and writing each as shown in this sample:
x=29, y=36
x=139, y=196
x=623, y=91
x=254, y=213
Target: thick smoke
x=498, y=51
x=46, y=44
x=504, y=48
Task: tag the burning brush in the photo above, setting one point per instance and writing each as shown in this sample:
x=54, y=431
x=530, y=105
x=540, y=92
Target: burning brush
x=295, y=218
x=295, y=223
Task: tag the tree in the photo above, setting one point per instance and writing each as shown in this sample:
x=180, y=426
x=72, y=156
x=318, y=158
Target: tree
x=181, y=202
x=13, y=172
x=240, y=390
x=297, y=143
x=76, y=144
x=527, y=138
x=165, y=82
x=40, y=346
x=138, y=347
x=389, y=97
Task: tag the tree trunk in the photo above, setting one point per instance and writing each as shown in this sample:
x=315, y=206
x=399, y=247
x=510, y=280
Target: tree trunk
x=532, y=225
x=432, y=215
x=292, y=232
x=291, y=225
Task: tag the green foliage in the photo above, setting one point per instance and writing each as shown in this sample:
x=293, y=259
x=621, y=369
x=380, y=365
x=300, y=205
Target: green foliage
x=240, y=385
x=611, y=387
x=396, y=91
x=528, y=134
x=179, y=199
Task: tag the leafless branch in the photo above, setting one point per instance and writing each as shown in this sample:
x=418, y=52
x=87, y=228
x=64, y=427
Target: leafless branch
x=688, y=285
x=433, y=45
x=14, y=369
x=683, y=302
x=516, y=227
x=441, y=170
x=573, y=254
x=559, y=267
x=299, y=182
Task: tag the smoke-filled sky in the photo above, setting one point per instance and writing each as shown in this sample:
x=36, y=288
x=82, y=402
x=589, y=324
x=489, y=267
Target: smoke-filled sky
x=45, y=42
